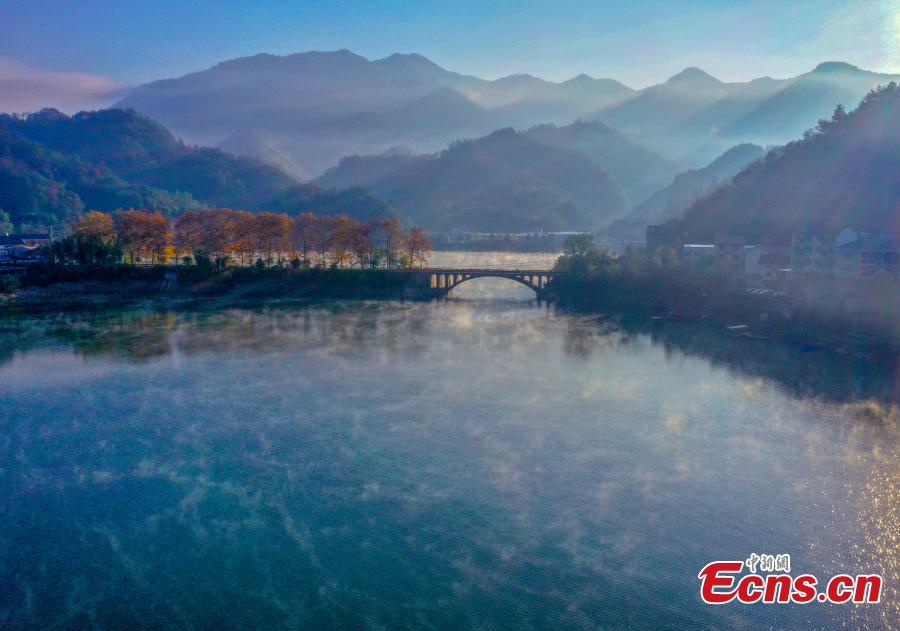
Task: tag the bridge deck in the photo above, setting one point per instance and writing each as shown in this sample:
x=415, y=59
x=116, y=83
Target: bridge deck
x=480, y=270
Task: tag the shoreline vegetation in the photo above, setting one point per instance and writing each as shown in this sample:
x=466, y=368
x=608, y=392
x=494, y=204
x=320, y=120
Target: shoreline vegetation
x=661, y=287
x=73, y=287
x=134, y=255
x=636, y=289
x=229, y=259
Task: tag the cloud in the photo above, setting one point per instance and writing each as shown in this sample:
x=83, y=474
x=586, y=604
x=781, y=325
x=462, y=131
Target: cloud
x=25, y=89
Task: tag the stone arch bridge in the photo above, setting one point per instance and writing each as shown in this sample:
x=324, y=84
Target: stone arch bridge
x=439, y=281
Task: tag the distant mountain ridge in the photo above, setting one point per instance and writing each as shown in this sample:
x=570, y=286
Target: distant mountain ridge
x=338, y=103
x=307, y=110
x=694, y=116
x=637, y=170
x=503, y=182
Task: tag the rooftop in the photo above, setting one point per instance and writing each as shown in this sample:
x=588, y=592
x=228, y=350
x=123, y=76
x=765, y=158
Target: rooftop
x=16, y=239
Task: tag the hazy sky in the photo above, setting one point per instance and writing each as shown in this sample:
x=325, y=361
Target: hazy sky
x=111, y=42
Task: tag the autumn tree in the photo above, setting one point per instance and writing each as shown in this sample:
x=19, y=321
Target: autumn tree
x=303, y=236
x=94, y=226
x=389, y=236
x=142, y=233
x=218, y=233
x=322, y=237
x=242, y=240
x=189, y=229
x=341, y=241
x=361, y=243
x=271, y=235
x=417, y=246
x=92, y=242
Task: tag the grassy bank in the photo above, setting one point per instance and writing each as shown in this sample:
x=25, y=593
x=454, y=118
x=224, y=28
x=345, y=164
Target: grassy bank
x=68, y=287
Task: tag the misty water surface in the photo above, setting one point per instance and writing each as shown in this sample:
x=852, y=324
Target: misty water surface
x=481, y=462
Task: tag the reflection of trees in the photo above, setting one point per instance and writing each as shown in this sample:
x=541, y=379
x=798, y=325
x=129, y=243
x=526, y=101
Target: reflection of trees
x=140, y=335
x=585, y=335
x=820, y=374
x=353, y=327
x=135, y=335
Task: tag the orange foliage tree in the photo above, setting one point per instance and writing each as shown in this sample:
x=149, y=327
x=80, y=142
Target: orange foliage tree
x=221, y=233
x=418, y=246
x=271, y=235
x=95, y=226
x=142, y=234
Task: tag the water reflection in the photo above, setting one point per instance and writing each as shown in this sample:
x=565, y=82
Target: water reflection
x=455, y=464
x=141, y=335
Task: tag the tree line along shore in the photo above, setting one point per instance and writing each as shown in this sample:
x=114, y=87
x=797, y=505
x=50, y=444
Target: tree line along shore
x=134, y=255
x=658, y=285
x=233, y=237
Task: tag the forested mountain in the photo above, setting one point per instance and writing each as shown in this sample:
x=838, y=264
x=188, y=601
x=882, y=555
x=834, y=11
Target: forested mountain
x=845, y=172
x=304, y=112
x=53, y=166
x=637, y=170
x=501, y=182
x=354, y=201
x=141, y=150
x=40, y=187
x=691, y=185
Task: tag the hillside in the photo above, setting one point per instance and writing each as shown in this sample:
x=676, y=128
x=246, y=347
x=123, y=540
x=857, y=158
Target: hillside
x=142, y=151
x=846, y=172
x=637, y=170
x=501, y=182
x=691, y=185
x=354, y=201
x=53, y=166
x=40, y=187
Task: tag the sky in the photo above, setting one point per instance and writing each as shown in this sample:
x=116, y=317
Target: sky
x=89, y=50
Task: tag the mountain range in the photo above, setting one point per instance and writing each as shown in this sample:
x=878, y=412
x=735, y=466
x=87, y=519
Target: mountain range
x=502, y=182
x=389, y=136
x=637, y=170
x=54, y=166
x=844, y=172
x=306, y=111
x=693, y=114
x=693, y=184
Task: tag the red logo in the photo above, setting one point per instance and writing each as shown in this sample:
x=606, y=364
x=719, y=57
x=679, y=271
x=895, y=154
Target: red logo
x=721, y=582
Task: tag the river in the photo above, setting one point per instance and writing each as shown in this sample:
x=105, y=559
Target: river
x=478, y=462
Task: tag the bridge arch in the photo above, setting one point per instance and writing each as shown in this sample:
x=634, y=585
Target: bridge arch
x=441, y=281
x=533, y=283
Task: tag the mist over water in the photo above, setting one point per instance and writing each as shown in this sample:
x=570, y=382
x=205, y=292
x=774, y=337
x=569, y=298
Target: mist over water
x=478, y=462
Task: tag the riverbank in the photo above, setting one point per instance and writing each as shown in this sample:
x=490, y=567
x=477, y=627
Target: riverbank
x=70, y=287
x=666, y=295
